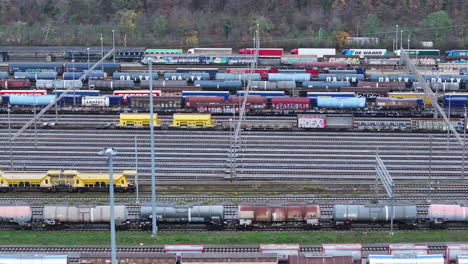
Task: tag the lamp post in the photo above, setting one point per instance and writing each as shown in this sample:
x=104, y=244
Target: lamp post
x=9, y=137
x=113, y=45
x=153, y=172
x=136, y=170
x=102, y=50
x=109, y=152
x=88, y=58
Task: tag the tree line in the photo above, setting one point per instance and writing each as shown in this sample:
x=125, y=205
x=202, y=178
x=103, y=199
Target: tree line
x=225, y=23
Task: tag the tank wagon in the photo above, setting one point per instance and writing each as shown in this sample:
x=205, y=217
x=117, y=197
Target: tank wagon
x=16, y=215
x=212, y=216
x=344, y=216
x=133, y=76
x=35, y=67
x=33, y=76
x=108, y=68
x=440, y=215
x=306, y=216
x=63, y=216
x=258, y=216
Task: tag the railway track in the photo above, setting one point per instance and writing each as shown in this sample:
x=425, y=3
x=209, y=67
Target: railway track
x=237, y=199
x=159, y=249
x=272, y=155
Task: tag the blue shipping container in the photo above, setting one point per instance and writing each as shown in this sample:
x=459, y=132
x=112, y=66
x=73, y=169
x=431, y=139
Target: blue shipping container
x=115, y=100
x=3, y=75
x=79, y=92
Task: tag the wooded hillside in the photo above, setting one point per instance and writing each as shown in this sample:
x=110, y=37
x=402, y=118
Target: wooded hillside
x=189, y=23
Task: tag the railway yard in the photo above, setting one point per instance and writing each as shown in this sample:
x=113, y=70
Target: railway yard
x=319, y=156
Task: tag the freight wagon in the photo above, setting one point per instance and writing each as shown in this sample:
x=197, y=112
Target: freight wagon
x=133, y=76
x=419, y=52
x=35, y=67
x=213, y=51
x=138, y=120
x=58, y=217
x=255, y=216
x=33, y=76
x=211, y=216
x=108, y=68
x=162, y=51
x=439, y=215
x=67, y=180
x=344, y=216
x=407, y=259
x=364, y=52
x=316, y=52
x=263, y=52
x=15, y=84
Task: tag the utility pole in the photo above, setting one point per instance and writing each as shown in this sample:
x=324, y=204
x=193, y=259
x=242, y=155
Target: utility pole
x=109, y=152
x=396, y=38
x=113, y=45
x=35, y=122
x=153, y=166
x=464, y=141
x=430, y=167
x=9, y=136
x=88, y=57
x=136, y=171
x=401, y=39
x=102, y=50
x=409, y=39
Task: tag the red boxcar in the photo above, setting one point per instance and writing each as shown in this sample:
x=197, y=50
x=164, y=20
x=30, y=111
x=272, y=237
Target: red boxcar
x=263, y=72
x=383, y=84
x=223, y=108
x=263, y=52
x=387, y=102
x=255, y=102
x=17, y=83
x=290, y=103
x=194, y=101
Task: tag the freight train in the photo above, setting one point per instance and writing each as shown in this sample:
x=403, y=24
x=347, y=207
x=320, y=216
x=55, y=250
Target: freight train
x=247, y=217
x=65, y=180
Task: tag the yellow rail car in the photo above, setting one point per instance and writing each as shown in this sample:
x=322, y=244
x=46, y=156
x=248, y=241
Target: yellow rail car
x=69, y=180
x=91, y=180
x=192, y=120
x=20, y=180
x=410, y=95
x=138, y=120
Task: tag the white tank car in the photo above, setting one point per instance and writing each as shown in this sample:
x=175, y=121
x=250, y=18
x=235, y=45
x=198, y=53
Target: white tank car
x=75, y=214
